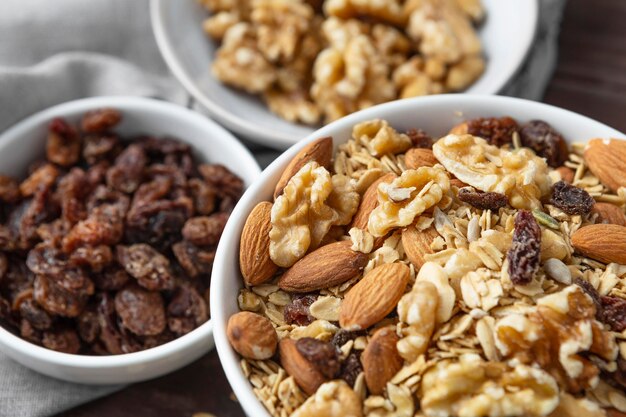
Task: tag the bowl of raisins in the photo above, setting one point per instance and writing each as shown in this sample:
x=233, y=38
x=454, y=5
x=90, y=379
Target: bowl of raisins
x=321, y=333
x=111, y=209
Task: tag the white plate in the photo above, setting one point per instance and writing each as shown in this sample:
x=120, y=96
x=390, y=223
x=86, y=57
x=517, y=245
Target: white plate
x=507, y=35
x=25, y=142
x=436, y=115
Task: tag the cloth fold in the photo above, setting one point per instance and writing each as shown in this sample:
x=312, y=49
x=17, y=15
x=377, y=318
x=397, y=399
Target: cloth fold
x=55, y=51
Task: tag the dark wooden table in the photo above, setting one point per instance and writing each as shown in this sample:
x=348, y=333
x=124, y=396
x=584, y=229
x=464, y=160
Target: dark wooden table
x=590, y=79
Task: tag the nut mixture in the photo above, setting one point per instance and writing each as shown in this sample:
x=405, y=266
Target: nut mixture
x=315, y=61
x=481, y=274
x=107, y=246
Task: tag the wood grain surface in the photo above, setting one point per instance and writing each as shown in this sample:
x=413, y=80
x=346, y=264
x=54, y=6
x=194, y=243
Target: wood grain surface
x=590, y=79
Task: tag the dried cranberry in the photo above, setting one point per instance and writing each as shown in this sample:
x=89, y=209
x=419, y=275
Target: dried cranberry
x=351, y=368
x=483, y=201
x=571, y=199
x=496, y=131
x=323, y=355
x=63, y=144
x=186, y=311
x=614, y=312
x=297, y=311
x=420, y=139
x=525, y=251
x=141, y=311
x=545, y=141
x=149, y=267
x=205, y=230
x=100, y=120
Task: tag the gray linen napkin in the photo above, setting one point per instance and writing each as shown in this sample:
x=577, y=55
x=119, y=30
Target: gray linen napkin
x=55, y=51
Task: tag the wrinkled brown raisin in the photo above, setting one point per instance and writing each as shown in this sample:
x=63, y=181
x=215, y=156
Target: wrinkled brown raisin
x=100, y=120
x=141, y=311
x=203, y=196
x=591, y=292
x=28, y=215
x=571, y=199
x=297, y=311
x=102, y=195
x=420, y=138
x=343, y=336
x=195, y=261
x=205, y=230
x=186, y=311
x=225, y=182
x=44, y=177
x=149, y=267
x=88, y=325
x=56, y=299
x=157, y=340
x=163, y=146
x=52, y=233
x=63, y=340
x=17, y=279
x=63, y=143
x=112, y=278
x=614, y=312
x=496, y=131
x=36, y=316
x=104, y=226
x=94, y=257
x=29, y=333
x=110, y=336
x=9, y=189
x=525, y=250
x=545, y=141
x=323, y=355
x=4, y=265
x=127, y=172
x=482, y=200
x=72, y=190
x=351, y=368
x=100, y=148
x=151, y=191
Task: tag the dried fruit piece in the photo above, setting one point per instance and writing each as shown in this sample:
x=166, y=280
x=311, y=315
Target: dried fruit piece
x=323, y=355
x=605, y=158
x=609, y=213
x=482, y=200
x=571, y=199
x=351, y=368
x=545, y=141
x=149, y=267
x=420, y=138
x=103, y=226
x=298, y=312
x=602, y=242
x=42, y=178
x=141, y=311
x=381, y=360
x=407, y=197
x=375, y=296
x=613, y=312
x=9, y=189
x=61, y=340
x=63, y=143
x=127, y=173
x=205, y=230
x=525, y=251
x=496, y=131
x=252, y=335
x=326, y=267
x=305, y=373
x=416, y=243
x=56, y=299
x=254, y=249
x=194, y=260
x=100, y=120
x=186, y=310
x=320, y=151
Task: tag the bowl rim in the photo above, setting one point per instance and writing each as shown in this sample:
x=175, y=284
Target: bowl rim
x=277, y=138
x=229, y=359
x=124, y=103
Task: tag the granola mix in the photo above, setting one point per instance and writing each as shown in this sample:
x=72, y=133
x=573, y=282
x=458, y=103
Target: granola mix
x=314, y=60
x=465, y=276
x=107, y=246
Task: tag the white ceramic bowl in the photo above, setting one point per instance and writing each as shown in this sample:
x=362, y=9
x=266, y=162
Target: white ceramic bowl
x=507, y=35
x=23, y=143
x=436, y=115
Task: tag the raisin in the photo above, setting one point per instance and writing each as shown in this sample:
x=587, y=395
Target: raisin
x=205, y=230
x=104, y=226
x=29, y=333
x=72, y=190
x=9, y=189
x=96, y=174
x=100, y=120
x=102, y=195
x=141, y=311
x=483, y=201
x=110, y=335
x=151, y=191
x=88, y=325
x=186, y=311
x=17, y=278
x=297, y=311
x=571, y=199
x=149, y=267
x=148, y=342
x=496, y=131
x=46, y=259
x=44, y=177
x=28, y=215
x=343, y=336
x=420, y=138
x=56, y=299
x=545, y=141
x=203, y=196
x=220, y=177
x=614, y=312
x=525, y=250
x=163, y=146
x=52, y=233
x=323, y=356
x=6, y=317
x=351, y=368
x=193, y=260
x=593, y=293
x=100, y=148
x=94, y=257
x=63, y=143
x=112, y=278
x=4, y=265
x=173, y=173
x=127, y=172
x=35, y=315
x=63, y=340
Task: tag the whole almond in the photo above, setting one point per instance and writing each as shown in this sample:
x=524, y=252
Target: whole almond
x=381, y=360
x=369, y=202
x=254, y=248
x=303, y=372
x=602, y=242
x=609, y=213
x=320, y=151
x=605, y=159
x=419, y=157
x=252, y=335
x=325, y=267
x=375, y=296
x=416, y=244
x=567, y=174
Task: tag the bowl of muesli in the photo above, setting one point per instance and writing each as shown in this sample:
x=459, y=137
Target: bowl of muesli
x=275, y=70
x=444, y=256
x=110, y=213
